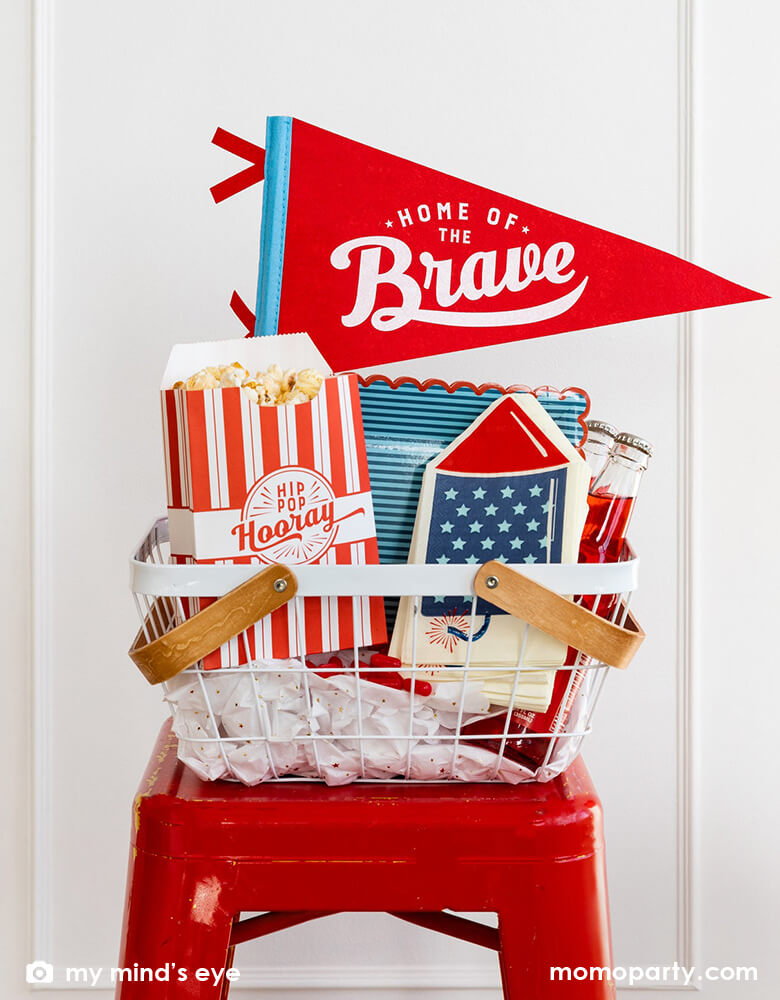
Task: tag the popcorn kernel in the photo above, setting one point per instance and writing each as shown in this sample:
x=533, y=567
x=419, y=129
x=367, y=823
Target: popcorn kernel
x=272, y=387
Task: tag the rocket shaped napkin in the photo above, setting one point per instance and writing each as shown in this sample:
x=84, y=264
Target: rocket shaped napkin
x=511, y=487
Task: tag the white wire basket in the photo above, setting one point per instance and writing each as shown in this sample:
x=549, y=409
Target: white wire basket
x=308, y=719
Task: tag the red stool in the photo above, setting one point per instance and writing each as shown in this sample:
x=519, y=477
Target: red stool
x=203, y=852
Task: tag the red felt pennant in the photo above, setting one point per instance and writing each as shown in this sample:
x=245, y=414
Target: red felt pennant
x=244, y=178
x=385, y=259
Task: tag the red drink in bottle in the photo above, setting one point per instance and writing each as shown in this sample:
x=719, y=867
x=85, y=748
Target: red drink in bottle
x=605, y=526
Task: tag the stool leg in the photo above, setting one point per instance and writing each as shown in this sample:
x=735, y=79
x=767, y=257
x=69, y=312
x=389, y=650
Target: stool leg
x=558, y=917
x=231, y=957
x=177, y=920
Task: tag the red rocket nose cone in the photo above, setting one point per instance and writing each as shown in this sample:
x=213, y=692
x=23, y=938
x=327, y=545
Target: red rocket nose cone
x=506, y=441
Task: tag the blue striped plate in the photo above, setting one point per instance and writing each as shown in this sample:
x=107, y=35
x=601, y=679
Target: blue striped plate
x=407, y=423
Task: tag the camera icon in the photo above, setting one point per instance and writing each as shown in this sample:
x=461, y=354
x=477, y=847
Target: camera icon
x=39, y=972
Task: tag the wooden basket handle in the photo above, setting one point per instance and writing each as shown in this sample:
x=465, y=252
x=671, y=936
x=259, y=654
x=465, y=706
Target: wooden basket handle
x=206, y=631
x=561, y=618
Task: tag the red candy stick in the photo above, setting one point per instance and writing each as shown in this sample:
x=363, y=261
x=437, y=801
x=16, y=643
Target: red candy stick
x=420, y=687
x=385, y=677
x=334, y=661
x=380, y=660
x=388, y=678
x=423, y=688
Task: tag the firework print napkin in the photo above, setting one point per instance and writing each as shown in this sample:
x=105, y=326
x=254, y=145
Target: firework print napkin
x=512, y=488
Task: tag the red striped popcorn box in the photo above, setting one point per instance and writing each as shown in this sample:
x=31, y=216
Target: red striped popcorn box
x=271, y=484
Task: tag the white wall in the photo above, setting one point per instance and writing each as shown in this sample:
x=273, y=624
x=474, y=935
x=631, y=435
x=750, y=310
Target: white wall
x=737, y=163
x=653, y=120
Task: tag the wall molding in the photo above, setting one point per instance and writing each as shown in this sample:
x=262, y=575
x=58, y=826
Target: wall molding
x=41, y=473
x=686, y=521
x=347, y=978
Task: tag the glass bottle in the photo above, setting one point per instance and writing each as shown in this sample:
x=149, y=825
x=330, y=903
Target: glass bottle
x=611, y=499
x=598, y=444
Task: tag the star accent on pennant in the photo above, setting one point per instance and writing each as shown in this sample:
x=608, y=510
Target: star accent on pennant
x=535, y=491
x=504, y=526
x=450, y=494
x=463, y=510
x=502, y=559
x=516, y=542
x=439, y=600
x=442, y=559
x=458, y=543
x=530, y=559
x=479, y=493
x=532, y=525
x=471, y=559
x=507, y=492
x=389, y=224
x=544, y=543
x=487, y=543
x=475, y=526
x=447, y=527
x=519, y=508
x=525, y=229
x=546, y=507
x=491, y=509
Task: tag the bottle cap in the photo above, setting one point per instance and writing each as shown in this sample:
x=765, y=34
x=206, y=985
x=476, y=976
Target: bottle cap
x=634, y=442
x=602, y=427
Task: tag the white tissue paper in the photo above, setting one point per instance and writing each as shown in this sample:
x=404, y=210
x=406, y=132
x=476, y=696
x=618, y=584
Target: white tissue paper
x=276, y=718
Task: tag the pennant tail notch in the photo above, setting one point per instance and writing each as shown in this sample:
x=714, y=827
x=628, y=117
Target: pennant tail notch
x=245, y=178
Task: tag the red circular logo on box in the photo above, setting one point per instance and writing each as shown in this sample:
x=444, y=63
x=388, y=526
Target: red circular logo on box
x=288, y=517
